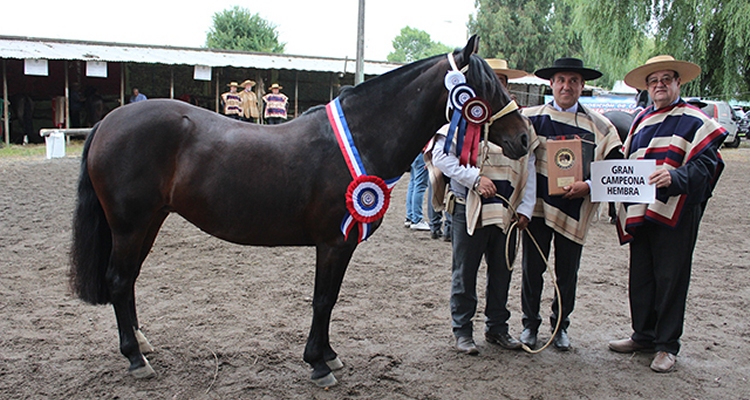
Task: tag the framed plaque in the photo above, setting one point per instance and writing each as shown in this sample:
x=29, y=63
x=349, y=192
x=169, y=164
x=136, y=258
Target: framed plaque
x=564, y=164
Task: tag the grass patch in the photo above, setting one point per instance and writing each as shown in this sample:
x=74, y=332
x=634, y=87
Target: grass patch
x=74, y=149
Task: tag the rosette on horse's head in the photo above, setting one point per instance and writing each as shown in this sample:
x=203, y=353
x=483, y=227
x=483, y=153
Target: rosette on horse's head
x=470, y=114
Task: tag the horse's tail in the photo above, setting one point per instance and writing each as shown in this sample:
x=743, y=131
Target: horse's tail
x=92, y=239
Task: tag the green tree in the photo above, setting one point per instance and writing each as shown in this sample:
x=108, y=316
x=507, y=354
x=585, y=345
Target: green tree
x=528, y=34
x=414, y=44
x=238, y=29
x=712, y=34
x=614, y=35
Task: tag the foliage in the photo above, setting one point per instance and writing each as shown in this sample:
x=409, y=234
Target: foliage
x=618, y=35
x=414, y=44
x=528, y=34
x=238, y=29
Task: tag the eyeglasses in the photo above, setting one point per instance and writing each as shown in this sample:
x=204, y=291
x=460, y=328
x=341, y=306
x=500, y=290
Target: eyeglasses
x=665, y=80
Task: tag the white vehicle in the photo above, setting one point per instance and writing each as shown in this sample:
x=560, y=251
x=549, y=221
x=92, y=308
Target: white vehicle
x=724, y=113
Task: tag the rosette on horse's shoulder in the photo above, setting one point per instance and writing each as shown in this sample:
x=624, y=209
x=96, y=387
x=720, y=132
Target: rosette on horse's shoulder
x=367, y=198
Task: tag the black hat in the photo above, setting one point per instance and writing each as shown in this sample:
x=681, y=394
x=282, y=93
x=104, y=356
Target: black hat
x=568, y=64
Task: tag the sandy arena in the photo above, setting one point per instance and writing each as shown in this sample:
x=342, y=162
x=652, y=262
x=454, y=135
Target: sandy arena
x=230, y=322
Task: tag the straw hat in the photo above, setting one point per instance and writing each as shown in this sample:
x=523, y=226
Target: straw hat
x=233, y=83
x=568, y=64
x=500, y=66
x=637, y=77
x=275, y=86
x=248, y=82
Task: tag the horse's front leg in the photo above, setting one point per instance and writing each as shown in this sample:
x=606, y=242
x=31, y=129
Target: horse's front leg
x=330, y=267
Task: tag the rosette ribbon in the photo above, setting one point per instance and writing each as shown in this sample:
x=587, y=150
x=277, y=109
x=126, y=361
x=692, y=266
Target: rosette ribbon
x=367, y=196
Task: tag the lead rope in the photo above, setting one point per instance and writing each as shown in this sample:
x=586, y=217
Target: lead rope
x=509, y=263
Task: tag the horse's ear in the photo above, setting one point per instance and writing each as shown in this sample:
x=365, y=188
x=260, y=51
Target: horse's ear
x=472, y=46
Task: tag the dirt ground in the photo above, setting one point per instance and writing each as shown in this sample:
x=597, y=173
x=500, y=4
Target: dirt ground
x=229, y=321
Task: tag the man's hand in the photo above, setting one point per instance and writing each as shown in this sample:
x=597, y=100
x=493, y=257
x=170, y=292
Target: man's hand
x=661, y=178
x=577, y=190
x=522, y=222
x=486, y=187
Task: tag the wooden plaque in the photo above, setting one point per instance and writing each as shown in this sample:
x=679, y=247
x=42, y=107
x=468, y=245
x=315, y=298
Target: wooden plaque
x=564, y=164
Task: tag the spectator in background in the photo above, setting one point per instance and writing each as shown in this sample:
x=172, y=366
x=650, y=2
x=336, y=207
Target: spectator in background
x=418, y=180
x=276, y=104
x=137, y=96
x=250, y=112
x=232, y=102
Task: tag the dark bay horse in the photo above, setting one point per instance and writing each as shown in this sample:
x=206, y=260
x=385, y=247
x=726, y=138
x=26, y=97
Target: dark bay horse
x=253, y=184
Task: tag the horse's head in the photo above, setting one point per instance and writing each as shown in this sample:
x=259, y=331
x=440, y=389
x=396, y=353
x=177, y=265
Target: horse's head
x=508, y=127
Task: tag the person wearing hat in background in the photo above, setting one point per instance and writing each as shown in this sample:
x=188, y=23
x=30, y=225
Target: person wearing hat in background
x=504, y=73
x=479, y=229
x=232, y=102
x=249, y=104
x=562, y=218
x=276, y=104
x=662, y=235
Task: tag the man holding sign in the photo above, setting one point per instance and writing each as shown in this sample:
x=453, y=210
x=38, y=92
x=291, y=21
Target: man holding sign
x=685, y=143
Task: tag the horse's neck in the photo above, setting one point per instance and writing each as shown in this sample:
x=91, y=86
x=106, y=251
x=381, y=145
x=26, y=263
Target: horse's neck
x=391, y=127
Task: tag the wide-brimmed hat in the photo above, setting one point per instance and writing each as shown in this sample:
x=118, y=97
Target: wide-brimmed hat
x=637, y=77
x=568, y=64
x=248, y=82
x=233, y=83
x=500, y=66
x=275, y=86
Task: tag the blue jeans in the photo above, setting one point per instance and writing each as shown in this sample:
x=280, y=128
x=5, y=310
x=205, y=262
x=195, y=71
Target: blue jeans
x=468, y=250
x=436, y=217
x=418, y=180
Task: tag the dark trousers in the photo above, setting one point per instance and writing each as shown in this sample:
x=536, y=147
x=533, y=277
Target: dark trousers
x=274, y=120
x=660, y=264
x=467, y=255
x=567, y=262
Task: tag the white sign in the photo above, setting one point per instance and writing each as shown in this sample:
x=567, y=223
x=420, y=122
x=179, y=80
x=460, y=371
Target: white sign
x=96, y=69
x=202, y=73
x=623, y=181
x=35, y=66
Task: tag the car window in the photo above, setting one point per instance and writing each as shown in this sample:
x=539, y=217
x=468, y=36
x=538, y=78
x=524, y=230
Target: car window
x=709, y=110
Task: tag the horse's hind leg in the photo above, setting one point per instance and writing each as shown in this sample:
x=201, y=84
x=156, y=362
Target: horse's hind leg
x=331, y=263
x=143, y=343
x=128, y=253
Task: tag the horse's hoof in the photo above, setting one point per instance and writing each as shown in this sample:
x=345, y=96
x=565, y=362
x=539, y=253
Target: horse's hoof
x=143, y=343
x=326, y=381
x=335, y=364
x=143, y=372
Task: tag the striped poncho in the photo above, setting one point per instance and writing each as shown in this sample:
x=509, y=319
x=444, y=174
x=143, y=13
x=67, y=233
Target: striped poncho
x=684, y=140
x=569, y=218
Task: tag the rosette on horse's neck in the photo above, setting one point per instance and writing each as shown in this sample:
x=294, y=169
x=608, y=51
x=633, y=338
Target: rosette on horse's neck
x=367, y=196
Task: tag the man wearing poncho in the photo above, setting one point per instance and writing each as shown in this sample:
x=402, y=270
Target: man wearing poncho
x=685, y=144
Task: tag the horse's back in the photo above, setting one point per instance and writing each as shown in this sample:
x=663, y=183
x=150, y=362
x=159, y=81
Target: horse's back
x=225, y=176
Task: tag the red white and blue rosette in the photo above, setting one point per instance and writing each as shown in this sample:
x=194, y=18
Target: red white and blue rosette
x=476, y=110
x=367, y=198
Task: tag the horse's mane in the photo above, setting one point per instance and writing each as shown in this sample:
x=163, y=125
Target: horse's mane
x=478, y=72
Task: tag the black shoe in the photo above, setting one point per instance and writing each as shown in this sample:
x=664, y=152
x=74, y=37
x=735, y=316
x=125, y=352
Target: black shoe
x=447, y=238
x=561, y=341
x=528, y=337
x=503, y=339
x=465, y=344
x=436, y=234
